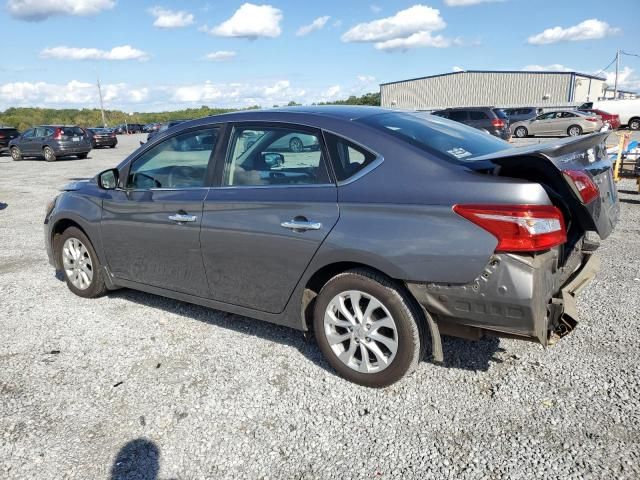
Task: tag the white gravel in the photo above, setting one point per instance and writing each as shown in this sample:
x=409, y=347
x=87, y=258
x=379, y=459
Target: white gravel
x=203, y=394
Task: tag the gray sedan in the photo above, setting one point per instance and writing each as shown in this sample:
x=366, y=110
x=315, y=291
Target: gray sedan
x=560, y=123
x=397, y=229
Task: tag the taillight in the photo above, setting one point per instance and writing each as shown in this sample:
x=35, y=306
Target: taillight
x=591, y=119
x=518, y=228
x=586, y=189
x=497, y=122
x=57, y=135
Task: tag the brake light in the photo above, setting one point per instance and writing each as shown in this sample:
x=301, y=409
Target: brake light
x=518, y=228
x=591, y=119
x=57, y=135
x=586, y=189
x=497, y=122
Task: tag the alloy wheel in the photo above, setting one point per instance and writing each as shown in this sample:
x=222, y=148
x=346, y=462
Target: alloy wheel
x=77, y=263
x=574, y=131
x=295, y=145
x=48, y=154
x=360, y=331
x=15, y=154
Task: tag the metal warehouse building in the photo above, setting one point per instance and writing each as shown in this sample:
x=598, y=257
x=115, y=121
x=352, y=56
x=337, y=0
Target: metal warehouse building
x=493, y=88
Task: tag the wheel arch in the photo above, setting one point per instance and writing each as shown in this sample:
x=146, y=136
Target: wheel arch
x=58, y=229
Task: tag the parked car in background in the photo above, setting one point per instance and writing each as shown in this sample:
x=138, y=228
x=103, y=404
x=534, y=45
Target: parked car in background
x=51, y=142
x=128, y=128
x=558, y=123
x=6, y=135
x=612, y=119
x=521, y=113
x=490, y=119
x=627, y=110
x=163, y=127
x=102, y=137
x=379, y=241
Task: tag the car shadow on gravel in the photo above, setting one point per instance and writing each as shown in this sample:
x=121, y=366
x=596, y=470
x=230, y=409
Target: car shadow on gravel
x=458, y=353
x=250, y=326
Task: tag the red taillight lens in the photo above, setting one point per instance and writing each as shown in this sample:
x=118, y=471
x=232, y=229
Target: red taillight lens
x=497, y=122
x=586, y=189
x=57, y=135
x=591, y=119
x=518, y=228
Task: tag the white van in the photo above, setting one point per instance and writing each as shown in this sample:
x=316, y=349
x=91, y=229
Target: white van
x=627, y=110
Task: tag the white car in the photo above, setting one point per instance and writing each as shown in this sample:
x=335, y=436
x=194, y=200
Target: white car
x=627, y=110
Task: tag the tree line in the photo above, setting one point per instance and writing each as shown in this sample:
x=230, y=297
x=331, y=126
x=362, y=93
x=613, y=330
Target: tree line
x=25, y=117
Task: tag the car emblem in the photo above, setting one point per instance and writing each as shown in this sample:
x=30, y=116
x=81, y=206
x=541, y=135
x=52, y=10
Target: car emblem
x=591, y=155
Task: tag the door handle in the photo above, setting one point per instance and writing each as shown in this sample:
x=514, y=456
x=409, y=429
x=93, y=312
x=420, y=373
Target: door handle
x=181, y=218
x=301, y=225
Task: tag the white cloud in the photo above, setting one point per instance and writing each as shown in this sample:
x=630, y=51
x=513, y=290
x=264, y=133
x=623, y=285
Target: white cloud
x=366, y=78
x=591, y=29
x=332, y=92
x=456, y=68
x=409, y=28
x=375, y=8
x=627, y=79
x=250, y=21
x=124, y=52
x=165, y=18
x=317, y=24
x=554, y=67
x=220, y=55
x=420, y=39
x=465, y=3
x=38, y=10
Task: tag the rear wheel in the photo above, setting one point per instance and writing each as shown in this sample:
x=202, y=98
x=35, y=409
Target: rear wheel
x=49, y=155
x=16, y=154
x=574, y=131
x=521, y=132
x=80, y=264
x=82, y=155
x=369, y=330
x=634, y=124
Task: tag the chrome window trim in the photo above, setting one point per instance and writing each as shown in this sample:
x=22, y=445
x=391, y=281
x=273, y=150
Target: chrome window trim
x=314, y=185
x=361, y=173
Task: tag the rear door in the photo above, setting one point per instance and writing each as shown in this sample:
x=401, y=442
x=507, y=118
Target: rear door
x=25, y=143
x=479, y=119
x=267, y=218
x=543, y=124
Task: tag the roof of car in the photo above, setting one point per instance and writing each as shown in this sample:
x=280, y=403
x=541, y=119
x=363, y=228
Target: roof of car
x=344, y=112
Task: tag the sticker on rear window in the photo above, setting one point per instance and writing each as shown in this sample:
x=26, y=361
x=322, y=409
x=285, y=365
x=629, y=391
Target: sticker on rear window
x=459, y=152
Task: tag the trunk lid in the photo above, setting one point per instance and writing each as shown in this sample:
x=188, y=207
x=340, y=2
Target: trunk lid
x=545, y=163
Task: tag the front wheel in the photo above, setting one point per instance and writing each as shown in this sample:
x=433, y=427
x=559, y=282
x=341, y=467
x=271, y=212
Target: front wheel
x=521, y=132
x=574, y=131
x=80, y=264
x=49, y=154
x=634, y=124
x=16, y=155
x=369, y=329
x=296, y=145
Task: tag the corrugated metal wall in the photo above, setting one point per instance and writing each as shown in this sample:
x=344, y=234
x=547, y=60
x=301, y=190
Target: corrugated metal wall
x=467, y=89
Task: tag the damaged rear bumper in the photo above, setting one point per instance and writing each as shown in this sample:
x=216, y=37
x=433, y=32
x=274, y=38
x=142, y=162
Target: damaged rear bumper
x=530, y=297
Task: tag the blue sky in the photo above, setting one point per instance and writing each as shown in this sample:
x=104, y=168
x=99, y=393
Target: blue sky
x=157, y=55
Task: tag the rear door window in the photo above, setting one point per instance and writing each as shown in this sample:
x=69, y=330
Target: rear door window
x=478, y=115
x=458, y=115
x=347, y=158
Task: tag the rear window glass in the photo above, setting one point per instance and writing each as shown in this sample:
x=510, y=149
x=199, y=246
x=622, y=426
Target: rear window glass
x=348, y=158
x=500, y=114
x=72, y=131
x=443, y=138
x=478, y=115
x=458, y=115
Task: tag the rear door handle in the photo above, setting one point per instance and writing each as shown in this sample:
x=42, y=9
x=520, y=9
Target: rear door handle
x=181, y=218
x=301, y=225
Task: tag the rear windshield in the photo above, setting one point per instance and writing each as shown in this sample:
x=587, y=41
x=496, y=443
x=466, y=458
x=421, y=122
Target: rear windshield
x=500, y=114
x=72, y=131
x=444, y=138
x=100, y=130
x=9, y=131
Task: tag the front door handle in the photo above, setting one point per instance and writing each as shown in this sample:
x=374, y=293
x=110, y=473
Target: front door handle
x=182, y=217
x=301, y=225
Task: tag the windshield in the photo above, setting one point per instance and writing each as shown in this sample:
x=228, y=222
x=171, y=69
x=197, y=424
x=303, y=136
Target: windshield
x=444, y=138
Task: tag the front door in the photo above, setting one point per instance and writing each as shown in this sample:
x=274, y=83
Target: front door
x=26, y=142
x=262, y=226
x=151, y=227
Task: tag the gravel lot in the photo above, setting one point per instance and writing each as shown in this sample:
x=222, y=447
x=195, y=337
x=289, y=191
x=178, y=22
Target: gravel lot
x=137, y=386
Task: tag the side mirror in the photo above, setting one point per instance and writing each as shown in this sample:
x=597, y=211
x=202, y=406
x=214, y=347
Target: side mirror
x=273, y=159
x=108, y=180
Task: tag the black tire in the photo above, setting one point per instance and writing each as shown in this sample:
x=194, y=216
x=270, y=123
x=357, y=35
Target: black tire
x=408, y=318
x=48, y=154
x=634, y=124
x=82, y=155
x=521, y=132
x=16, y=154
x=97, y=286
x=296, y=145
x=574, y=131
x=112, y=146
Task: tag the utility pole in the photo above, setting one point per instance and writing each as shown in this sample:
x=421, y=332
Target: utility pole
x=615, y=86
x=104, y=121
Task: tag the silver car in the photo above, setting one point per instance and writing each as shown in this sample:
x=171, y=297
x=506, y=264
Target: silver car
x=558, y=123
